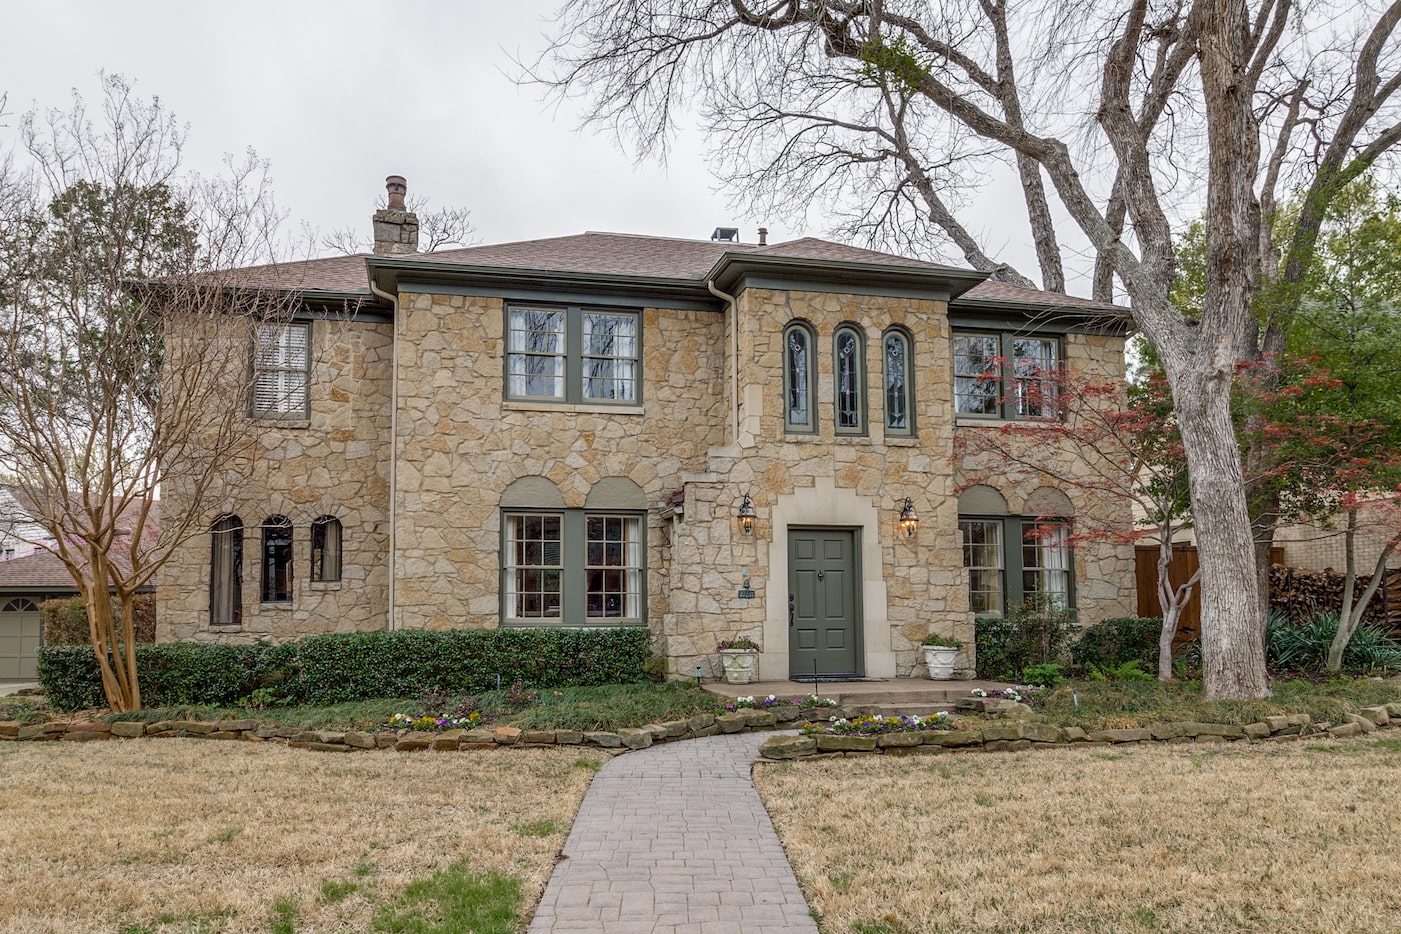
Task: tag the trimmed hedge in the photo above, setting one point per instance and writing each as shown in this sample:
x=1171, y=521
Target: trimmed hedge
x=1033, y=633
x=329, y=669
x=1112, y=642
x=65, y=621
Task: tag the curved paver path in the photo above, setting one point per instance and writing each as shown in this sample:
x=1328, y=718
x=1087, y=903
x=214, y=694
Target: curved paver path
x=674, y=840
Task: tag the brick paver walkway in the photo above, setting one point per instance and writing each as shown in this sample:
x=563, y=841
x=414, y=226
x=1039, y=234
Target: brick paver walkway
x=674, y=840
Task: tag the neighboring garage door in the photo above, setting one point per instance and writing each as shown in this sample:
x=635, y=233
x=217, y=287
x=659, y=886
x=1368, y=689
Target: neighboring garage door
x=19, y=638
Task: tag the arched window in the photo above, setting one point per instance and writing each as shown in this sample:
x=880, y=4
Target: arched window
x=326, y=549
x=849, y=370
x=799, y=375
x=899, y=383
x=277, y=560
x=226, y=572
x=20, y=605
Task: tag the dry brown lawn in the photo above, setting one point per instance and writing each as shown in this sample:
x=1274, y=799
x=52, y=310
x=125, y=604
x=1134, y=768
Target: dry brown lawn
x=1263, y=838
x=193, y=835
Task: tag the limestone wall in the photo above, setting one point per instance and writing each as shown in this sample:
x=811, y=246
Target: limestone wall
x=460, y=444
x=334, y=463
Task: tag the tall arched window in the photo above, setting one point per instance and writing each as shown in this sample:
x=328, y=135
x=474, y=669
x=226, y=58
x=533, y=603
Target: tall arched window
x=799, y=375
x=849, y=377
x=277, y=559
x=226, y=572
x=899, y=383
x=326, y=549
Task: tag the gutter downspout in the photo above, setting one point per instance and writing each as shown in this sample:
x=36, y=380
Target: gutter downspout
x=393, y=443
x=734, y=357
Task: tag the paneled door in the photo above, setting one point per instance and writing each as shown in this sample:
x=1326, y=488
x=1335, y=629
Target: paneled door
x=823, y=585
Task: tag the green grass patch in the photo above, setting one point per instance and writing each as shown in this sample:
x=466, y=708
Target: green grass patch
x=535, y=828
x=1141, y=703
x=608, y=707
x=22, y=709
x=336, y=890
x=284, y=916
x=226, y=835
x=453, y=901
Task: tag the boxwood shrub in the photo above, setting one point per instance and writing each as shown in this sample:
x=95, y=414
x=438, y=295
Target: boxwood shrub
x=329, y=669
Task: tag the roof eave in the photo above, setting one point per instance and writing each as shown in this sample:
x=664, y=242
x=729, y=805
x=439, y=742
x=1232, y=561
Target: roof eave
x=731, y=267
x=1107, y=318
x=387, y=272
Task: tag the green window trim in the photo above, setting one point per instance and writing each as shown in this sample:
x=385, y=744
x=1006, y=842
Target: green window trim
x=573, y=354
x=799, y=379
x=898, y=382
x=280, y=372
x=588, y=571
x=849, y=380
x=995, y=374
x=1023, y=558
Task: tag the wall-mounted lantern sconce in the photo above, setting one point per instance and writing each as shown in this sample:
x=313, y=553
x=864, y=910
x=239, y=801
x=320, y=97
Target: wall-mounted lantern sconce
x=908, y=520
x=746, y=515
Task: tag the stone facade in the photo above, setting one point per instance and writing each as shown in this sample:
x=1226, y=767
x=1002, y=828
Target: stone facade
x=707, y=431
x=335, y=463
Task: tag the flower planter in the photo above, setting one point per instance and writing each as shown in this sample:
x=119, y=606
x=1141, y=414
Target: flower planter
x=740, y=665
x=940, y=661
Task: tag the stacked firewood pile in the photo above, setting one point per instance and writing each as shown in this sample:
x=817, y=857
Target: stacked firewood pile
x=1301, y=592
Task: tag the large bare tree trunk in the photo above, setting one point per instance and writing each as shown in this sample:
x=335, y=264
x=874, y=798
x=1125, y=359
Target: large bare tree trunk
x=1233, y=617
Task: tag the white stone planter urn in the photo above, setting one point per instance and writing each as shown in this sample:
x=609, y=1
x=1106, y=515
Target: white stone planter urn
x=939, y=659
x=741, y=665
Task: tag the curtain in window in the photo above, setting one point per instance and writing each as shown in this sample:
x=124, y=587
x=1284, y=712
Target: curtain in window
x=796, y=391
x=536, y=360
x=226, y=572
x=614, y=572
x=849, y=379
x=534, y=566
x=982, y=557
x=326, y=549
x=1046, y=560
x=610, y=356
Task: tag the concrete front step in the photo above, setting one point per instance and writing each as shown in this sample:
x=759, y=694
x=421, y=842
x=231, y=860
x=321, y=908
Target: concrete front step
x=896, y=696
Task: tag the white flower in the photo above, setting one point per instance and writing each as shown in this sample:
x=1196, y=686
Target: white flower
x=979, y=692
x=773, y=697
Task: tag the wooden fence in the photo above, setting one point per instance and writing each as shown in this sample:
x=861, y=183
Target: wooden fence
x=1184, y=565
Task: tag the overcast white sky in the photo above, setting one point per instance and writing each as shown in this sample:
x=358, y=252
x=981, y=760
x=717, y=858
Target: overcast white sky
x=337, y=95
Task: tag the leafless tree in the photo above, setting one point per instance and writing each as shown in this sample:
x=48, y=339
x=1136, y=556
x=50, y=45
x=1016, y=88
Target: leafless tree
x=1211, y=107
x=124, y=349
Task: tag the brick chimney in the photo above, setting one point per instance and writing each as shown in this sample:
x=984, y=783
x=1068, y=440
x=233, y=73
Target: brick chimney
x=396, y=227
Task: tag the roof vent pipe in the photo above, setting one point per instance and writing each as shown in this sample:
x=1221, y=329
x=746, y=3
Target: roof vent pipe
x=763, y=236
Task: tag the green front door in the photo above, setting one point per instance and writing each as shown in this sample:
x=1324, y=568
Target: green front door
x=822, y=602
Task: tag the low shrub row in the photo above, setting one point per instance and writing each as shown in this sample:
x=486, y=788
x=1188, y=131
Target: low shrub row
x=1032, y=636
x=332, y=669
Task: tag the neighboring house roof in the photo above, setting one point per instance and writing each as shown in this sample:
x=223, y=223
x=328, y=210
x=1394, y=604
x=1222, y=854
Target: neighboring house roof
x=636, y=256
x=39, y=571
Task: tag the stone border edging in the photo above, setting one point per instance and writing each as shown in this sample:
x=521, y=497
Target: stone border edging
x=1013, y=735
x=250, y=730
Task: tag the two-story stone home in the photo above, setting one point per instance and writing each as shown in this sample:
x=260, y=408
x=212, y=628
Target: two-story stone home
x=708, y=438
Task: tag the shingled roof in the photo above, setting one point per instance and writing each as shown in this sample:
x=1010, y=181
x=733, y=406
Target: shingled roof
x=630, y=255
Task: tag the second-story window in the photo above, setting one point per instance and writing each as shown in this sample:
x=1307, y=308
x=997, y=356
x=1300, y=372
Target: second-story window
x=899, y=383
x=282, y=371
x=849, y=370
x=799, y=375
x=1005, y=375
x=573, y=354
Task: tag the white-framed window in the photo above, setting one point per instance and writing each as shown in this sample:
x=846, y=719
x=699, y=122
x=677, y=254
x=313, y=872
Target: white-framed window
x=1006, y=376
x=282, y=371
x=573, y=567
x=573, y=354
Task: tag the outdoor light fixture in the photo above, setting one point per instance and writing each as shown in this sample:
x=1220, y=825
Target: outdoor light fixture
x=908, y=520
x=746, y=515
